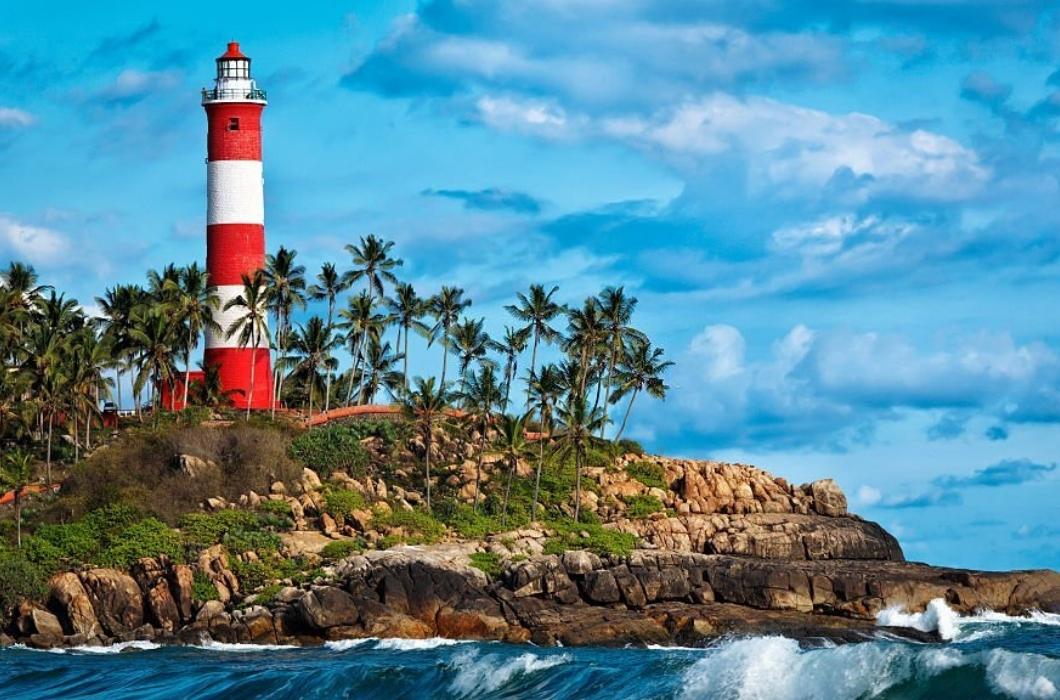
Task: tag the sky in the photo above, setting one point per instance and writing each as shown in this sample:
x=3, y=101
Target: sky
x=840, y=218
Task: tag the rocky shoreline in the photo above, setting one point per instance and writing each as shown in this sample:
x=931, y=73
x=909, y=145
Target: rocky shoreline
x=577, y=598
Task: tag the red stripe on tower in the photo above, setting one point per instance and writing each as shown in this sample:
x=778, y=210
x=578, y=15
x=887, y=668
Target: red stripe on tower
x=235, y=223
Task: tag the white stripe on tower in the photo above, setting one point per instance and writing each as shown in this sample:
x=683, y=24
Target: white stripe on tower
x=235, y=192
x=225, y=319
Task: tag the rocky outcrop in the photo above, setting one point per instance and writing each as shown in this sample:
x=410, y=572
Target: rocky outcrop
x=116, y=600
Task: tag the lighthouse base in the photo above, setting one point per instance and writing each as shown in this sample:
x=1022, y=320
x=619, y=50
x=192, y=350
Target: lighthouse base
x=234, y=368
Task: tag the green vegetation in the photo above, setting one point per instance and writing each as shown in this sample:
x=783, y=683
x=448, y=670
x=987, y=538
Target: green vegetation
x=340, y=549
x=19, y=578
x=202, y=589
x=239, y=530
x=648, y=473
x=488, y=562
x=642, y=506
x=420, y=527
x=332, y=448
x=465, y=521
x=340, y=503
x=591, y=536
x=268, y=594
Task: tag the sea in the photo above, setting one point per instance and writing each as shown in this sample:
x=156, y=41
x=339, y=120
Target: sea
x=987, y=655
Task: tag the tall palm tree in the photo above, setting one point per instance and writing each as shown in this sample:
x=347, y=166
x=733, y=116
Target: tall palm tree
x=424, y=406
x=91, y=356
x=312, y=345
x=329, y=285
x=585, y=336
x=285, y=290
x=446, y=307
x=361, y=321
x=21, y=280
x=16, y=472
x=537, y=309
x=513, y=345
x=251, y=325
x=194, y=304
x=512, y=431
x=406, y=309
x=117, y=305
x=379, y=370
x=616, y=308
x=163, y=286
x=373, y=264
x=155, y=338
x=481, y=400
x=546, y=387
x=470, y=343
x=577, y=424
x=641, y=370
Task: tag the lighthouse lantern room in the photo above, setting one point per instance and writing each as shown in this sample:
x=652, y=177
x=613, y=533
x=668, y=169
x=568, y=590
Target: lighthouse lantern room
x=235, y=224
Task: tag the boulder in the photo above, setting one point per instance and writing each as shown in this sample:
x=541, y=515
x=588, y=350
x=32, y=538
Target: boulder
x=69, y=598
x=116, y=600
x=181, y=582
x=150, y=575
x=327, y=606
x=578, y=562
x=213, y=562
x=600, y=587
x=828, y=498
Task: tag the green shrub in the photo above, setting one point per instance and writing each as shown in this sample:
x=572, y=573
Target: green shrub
x=466, y=522
x=330, y=449
x=340, y=549
x=627, y=446
x=648, y=473
x=202, y=588
x=420, y=527
x=388, y=541
x=239, y=530
x=20, y=579
x=339, y=503
x=642, y=506
x=488, y=562
x=600, y=540
x=276, y=514
x=268, y=594
x=148, y=538
x=252, y=575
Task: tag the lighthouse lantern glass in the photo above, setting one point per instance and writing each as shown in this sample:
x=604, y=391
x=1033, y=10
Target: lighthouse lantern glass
x=234, y=68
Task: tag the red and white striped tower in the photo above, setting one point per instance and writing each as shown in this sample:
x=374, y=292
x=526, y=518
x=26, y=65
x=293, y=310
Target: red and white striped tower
x=235, y=219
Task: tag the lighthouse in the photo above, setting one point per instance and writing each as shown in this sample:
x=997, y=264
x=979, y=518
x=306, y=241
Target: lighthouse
x=235, y=221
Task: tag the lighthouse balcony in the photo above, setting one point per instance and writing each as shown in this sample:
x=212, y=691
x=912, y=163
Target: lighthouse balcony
x=233, y=95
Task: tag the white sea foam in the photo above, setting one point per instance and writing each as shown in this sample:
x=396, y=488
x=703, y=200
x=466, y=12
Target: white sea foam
x=344, y=644
x=417, y=644
x=938, y=617
x=242, y=648
x=111, y=649
x=485, y=674
x=941, y=618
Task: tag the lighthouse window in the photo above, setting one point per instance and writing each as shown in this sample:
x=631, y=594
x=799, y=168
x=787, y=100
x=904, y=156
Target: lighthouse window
x=233, y=124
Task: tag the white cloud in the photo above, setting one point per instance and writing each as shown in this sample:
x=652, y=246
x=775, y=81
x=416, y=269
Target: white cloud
x=38, y=245
x=10, y=117
x=131, y=85
x=868, y=495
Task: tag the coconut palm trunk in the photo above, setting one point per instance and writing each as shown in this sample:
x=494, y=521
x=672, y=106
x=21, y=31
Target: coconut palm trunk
x=427, y=463
x=405, y=370
x=537, y=478
x=478, y=468
x=533, y=367
x=187, y=371
x=18, y=514
x=629, y=407
x=508, y=491
x=48, y=456
x=253, y=365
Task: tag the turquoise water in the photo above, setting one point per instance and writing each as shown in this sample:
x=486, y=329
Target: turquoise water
x=990, y=656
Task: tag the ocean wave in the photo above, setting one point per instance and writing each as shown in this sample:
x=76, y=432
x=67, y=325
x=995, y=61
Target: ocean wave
x=941, y=618
x=776, y=668
x=116, y=648
x=235, y=648
x=393, y=644
x=477, y=674
x=344, y=644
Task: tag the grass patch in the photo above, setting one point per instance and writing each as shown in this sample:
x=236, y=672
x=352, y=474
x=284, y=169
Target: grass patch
x=239, y=530
x=202, y=588
x=488, y=562
x=20, y=579
x=648, y=473
x=339, y=503
x=590, y=536
x=340, y=549
x=642, y=506
x=420, y=527
x=333, y=448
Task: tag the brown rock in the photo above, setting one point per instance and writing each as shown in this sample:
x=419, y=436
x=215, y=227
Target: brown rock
x=68, y=596
x=828, y=498
x=116, y=600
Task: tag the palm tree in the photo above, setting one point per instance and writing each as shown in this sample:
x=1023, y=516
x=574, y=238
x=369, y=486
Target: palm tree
x=481, y=400
x=514, y=445
x=641, y=369
x=155, y=338
x=585, y=335
x=406, y=310
x=251, y=325
x=361, y=322
x=194, y=304
x=312, y=346
x=328, y=287
x=210, y=392
x=514, y=343
x=577, y=424
x=21, y=280
x=163, y=286
x=470, y=343
x=373, y=264
x=16, y=472
x=91, y=356
x=379, y=370
x=617, y=311
x=285, y=290
x=545, y=390
x=118, y=304
x=423, y=406
x=446, y=307
x=537, y=310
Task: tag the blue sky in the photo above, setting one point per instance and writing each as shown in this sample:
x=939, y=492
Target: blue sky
x=840, y=218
